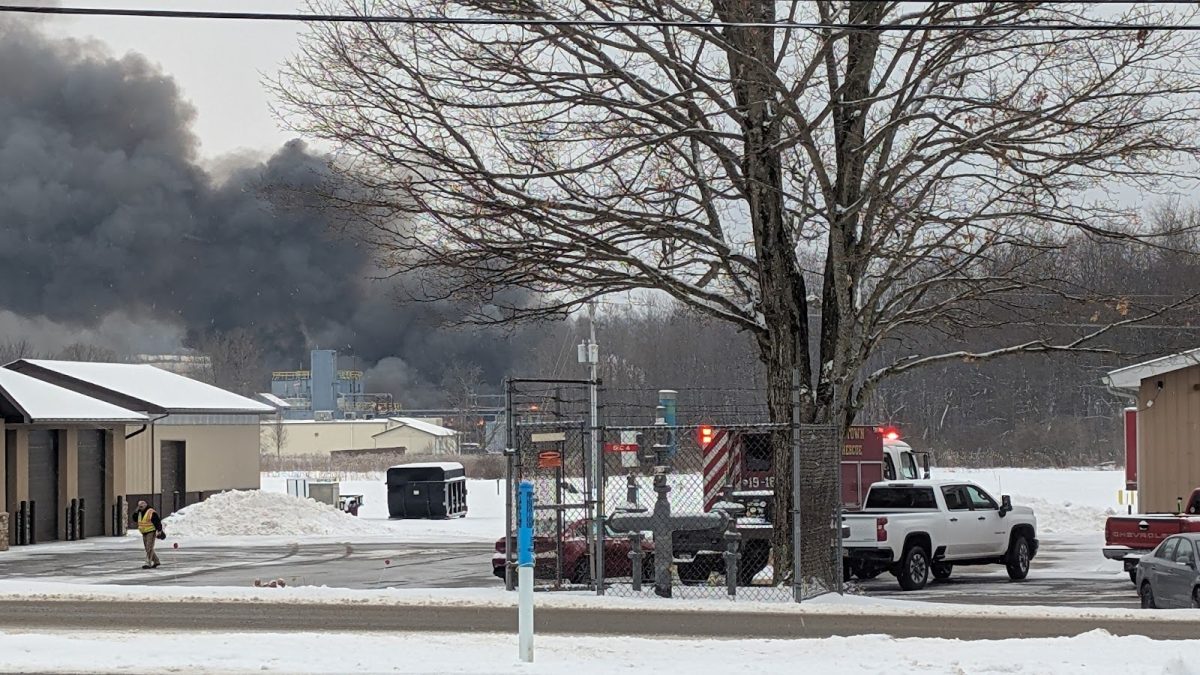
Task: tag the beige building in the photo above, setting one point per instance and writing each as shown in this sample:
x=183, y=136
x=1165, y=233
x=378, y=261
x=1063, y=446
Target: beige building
x=62, y=458
x=307, y=437
x=197, y=439
x=1167, y=393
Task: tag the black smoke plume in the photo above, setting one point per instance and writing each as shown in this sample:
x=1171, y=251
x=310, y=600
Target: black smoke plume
x=107, y=218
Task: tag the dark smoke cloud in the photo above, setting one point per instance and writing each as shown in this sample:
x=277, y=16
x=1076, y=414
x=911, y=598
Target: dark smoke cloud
x=106, y=212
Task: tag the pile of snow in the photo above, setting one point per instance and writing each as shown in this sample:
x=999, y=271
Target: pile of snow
x=264, y=514
x=1065, y=517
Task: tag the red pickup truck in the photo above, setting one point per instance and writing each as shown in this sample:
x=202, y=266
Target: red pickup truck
x=1128, y=538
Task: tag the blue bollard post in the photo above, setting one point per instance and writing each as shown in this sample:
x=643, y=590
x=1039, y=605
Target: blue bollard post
x=525, y=570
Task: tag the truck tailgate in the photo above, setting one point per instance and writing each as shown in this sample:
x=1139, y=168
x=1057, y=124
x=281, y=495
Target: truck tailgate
x=1145, y=531
x=863, y=529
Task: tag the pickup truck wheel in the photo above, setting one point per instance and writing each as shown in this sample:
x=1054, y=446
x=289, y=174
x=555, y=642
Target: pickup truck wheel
x=1147, y=594
x=941, y=571
x=914, y=568
x=1017, y=558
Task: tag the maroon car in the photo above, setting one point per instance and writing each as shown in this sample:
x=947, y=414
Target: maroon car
x=575, y=565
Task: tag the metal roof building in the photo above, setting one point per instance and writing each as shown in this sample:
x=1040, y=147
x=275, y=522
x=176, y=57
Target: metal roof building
x=1163, y=428
x=185, y=440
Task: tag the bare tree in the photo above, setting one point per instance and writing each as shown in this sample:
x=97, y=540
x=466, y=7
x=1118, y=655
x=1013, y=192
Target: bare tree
x=925, y=156
x=236, y=361
x=14, y=349
x=460, y=382
x=276, y=437
x=88, y=352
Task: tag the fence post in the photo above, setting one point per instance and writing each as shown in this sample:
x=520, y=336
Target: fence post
x=511, y=453
x=797, y=567
x=82, y=511
x=32, y=522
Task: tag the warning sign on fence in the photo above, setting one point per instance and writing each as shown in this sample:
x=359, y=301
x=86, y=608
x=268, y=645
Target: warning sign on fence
x=550, y=459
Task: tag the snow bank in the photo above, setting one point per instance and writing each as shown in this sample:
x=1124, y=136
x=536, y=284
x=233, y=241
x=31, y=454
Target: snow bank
x=1065, y=518
x=340, y=652
x=887, y=609
x=265, y=514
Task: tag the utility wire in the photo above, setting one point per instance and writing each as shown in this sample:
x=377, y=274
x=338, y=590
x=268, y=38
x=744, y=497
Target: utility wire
x=581, y=23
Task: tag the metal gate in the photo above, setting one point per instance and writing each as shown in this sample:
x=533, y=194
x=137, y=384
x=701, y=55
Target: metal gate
x=43, y=483
x=93, y=472
x=553, y=457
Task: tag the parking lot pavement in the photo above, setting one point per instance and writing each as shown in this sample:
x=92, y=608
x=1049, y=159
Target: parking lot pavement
x=375, y=565
x=1069, y=573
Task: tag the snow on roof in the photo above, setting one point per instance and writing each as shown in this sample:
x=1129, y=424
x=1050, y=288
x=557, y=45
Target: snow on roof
x=158, y=389
x=1130, y=377
x=420, y=425
x=44, y=402
x=376, y=421
x=445, y=466
x=272, y=399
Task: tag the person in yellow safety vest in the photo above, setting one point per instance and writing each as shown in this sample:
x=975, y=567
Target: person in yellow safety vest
x=150, y=527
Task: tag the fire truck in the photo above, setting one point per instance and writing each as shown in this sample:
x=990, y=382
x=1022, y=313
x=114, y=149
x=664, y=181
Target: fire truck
x=738, y=467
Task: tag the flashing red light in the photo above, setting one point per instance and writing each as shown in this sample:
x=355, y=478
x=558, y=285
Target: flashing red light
x=706, y=436
x=890, y=433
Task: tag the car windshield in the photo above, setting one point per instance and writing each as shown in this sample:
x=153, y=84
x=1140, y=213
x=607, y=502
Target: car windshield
x=894, y=497
x=908, y=467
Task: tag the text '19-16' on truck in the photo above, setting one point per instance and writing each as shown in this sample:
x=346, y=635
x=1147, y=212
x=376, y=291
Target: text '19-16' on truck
x=915, y=529
x=738, y=471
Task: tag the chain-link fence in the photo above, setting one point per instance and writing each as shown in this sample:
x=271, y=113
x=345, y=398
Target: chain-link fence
x=552, y=455
x=691, y=512
x=818, y=471
x=688, y=511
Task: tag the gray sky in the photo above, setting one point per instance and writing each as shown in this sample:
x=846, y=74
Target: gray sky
x=219, y=65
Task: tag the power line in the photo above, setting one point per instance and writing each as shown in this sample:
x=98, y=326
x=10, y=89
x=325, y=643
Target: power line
x=582, y=23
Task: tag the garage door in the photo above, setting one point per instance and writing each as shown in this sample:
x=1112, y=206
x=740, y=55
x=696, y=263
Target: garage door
x=43, y=483
x=92, y=472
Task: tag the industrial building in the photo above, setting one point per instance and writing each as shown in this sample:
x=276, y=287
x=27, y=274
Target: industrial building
x=191, y=439
x=62, y=474
x=399, y=435
x=1163, y=436
x=323, y=392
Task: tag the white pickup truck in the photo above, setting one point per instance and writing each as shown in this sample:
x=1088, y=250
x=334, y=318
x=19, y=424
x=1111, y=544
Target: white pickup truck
x=913, y=528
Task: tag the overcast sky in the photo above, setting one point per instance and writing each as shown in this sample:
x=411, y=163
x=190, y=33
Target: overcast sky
x=219, y=65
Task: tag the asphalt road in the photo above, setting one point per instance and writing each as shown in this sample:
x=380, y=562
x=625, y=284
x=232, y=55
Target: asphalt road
x=1055, y=578
x=264, y=617
x=441, y=565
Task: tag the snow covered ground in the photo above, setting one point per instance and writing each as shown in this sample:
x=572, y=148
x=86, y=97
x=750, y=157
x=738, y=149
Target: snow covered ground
x=1095, y=653
x=1066, y=501
x=484, y=521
